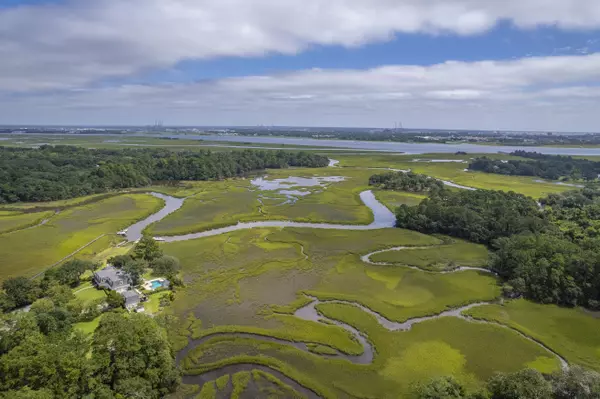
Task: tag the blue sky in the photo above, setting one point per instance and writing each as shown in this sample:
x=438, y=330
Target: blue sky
x=516, y=64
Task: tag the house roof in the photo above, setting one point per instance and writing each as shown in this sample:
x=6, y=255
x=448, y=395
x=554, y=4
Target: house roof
x=131, y=296
x=110, y=273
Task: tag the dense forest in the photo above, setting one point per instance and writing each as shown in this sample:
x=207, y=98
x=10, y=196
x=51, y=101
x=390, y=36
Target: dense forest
x=574, y=383
x=62, y=172
x=480, y=216
x=401, y=181
x=551, y=167
x=548, y=255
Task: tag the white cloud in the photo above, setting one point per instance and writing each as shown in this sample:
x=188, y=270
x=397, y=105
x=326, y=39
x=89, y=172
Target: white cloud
x=74, y=43
x=551, y=93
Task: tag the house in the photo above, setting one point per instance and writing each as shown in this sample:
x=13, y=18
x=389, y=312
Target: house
x=113, y=279
x=132, y=299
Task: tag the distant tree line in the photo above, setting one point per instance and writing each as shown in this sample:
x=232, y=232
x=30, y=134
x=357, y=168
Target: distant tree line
x=551, y=167
x=401, y=181
x=574, y=383
x=548, y=255
x=61, y=172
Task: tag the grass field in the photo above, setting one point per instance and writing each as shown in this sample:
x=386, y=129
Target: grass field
x=31, y=251
x=573, y=333
x=393, y=199
x=12, y=221
x=457, y=253
x=454, y=172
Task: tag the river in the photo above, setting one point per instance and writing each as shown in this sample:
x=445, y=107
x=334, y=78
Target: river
x=386, y=146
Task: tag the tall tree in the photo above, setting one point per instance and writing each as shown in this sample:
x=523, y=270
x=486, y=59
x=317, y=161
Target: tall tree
x=524, y=384
x=147, y=249
x=20, y=291
x=130, y=353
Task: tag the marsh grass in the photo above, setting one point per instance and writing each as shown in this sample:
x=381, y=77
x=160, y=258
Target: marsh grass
x=572, y=333
x=457, y=253
x=12, y=221
x=30, y=251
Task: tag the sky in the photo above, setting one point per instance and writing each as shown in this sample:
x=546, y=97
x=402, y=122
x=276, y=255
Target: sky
x=448, y=64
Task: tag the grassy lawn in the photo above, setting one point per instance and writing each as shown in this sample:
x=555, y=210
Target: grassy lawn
x=459, y=253
x=88, y=327
x=28, y=252
x=152, y=306
x=87, y=293
x=573, y=333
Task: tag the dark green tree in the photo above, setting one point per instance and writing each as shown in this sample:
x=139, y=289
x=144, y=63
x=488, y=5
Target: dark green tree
x=20, y=291
x=120, y=261
x=130, y=353
x=135, y=270
x=576, y=382
x=441, y=388
x=165, y=266
x=525, y=384
x=115, y=300
x=147, y=249
x=70, y=272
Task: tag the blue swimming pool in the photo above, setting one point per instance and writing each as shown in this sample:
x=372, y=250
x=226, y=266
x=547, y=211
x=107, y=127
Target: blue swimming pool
x=156, y=284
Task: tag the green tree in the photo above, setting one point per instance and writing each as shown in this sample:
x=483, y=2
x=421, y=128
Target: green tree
x=135, y=270
x=61, y=295
x=131, y=352
x=70, y=272
x=115, y=300
x=147, y=249
x=441, y=388
x=20, y=291
x=524, y=384
x=55, y=363
x=165, y=266
x=120, y=261
x=576, y=382
x=51, y=318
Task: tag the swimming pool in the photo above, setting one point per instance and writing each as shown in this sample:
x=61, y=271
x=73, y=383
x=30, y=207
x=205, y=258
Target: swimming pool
x=156, y=284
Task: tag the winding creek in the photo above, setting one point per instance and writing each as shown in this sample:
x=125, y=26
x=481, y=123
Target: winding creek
x=382, y=218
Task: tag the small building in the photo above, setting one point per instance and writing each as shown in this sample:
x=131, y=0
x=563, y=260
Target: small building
x=132, y=299
x=113, y=279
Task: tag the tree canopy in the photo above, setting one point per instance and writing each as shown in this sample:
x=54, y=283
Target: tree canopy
x=401, y=181
x=480, y=216
x=551, y=167
x=130, y=357
x=61, y=172
x=574, y=383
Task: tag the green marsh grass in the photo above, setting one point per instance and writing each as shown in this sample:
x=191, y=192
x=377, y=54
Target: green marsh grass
x=572, y=333
x=31, y=251
x=12, y=221
x=457, y=253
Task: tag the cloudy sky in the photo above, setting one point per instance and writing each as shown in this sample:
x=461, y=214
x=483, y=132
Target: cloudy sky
x=510, y=64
